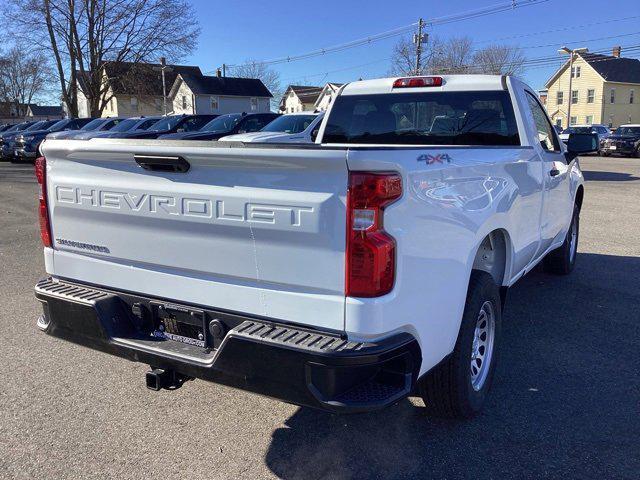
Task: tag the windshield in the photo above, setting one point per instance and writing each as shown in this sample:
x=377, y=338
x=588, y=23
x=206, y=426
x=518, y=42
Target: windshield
x=628, y=131
x=290, y=123
x=433, y=118
x=578, y=130
x=167, y=123
x=35, y=126
x=223, y=123
x=93, y=124
x=59, y=125
x=125, y=125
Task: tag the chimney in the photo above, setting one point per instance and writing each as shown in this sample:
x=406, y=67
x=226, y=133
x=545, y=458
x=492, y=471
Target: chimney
x=616, y=51
x=218, y=73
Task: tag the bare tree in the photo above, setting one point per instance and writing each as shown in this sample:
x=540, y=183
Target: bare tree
x=255, y=69
x=83, y=35
x=499, y=60
x=456, y=55
x=403, y=61
x=23, y=76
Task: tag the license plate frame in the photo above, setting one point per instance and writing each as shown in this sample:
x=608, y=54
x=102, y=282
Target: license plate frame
x=178, y=323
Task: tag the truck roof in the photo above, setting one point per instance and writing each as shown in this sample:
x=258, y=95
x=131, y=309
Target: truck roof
x=449, y=83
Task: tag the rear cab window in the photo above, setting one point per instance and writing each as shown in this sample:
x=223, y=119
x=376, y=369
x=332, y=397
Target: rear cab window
x=424, y=118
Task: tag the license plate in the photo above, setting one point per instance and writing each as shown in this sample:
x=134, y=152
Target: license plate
x=179, y=324
x=612, y=147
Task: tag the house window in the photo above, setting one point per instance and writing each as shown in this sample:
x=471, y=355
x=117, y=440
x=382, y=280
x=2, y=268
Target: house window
x=612, y=96
x=559, y=121
x=588, y=119
x=214, y=104
x=575, y=72
x=560, y=98
x=573, y=120
x=254, y=104
x=184, y=102
x=574, y=97
x=631, y=95
x=134, y=104
x=591, y=93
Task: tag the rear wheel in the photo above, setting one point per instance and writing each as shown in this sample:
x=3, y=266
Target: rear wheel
x=562, y=260
x=458, y=387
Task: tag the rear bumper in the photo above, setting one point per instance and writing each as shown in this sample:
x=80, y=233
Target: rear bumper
x=294, y=364
x=619, y=149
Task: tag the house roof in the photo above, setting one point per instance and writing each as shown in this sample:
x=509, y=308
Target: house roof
x=144, y=78
x=225, y=86
x=306, y=93
x=46, y=110
x=614, y=69
x=610, y=68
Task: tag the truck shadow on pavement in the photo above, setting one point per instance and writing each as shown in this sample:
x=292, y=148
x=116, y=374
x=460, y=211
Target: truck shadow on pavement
x=609, y=176
x=565, y=399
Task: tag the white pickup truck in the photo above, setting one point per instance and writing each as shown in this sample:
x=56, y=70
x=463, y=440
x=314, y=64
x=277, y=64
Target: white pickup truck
x=345, y=274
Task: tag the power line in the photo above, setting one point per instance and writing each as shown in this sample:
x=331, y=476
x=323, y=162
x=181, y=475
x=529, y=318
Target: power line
x=489, y=10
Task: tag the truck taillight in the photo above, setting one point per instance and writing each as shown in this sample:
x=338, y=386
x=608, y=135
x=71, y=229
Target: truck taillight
x=370, y=257
x=43, y=213
x=415, y=82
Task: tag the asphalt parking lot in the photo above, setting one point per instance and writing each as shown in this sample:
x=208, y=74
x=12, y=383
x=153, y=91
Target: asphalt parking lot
x=565, y=403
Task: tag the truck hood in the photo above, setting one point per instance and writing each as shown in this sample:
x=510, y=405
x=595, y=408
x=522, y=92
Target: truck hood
x=624, y=137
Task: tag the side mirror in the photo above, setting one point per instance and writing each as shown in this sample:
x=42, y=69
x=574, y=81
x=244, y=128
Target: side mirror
x=314, y=134
x=180, y=129
x=579, y=143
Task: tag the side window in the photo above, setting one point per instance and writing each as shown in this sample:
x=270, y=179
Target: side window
x=253, y=124
x=546, y=133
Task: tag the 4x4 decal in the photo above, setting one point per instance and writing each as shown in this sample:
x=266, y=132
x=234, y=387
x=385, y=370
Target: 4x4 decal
x=431, y=159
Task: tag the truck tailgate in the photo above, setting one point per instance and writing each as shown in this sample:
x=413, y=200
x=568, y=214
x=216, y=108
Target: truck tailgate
x=254, y=230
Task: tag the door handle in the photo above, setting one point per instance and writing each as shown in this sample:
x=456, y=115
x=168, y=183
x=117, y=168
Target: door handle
x=554, y=172
x=162, y=164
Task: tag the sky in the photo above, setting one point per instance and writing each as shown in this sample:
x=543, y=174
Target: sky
x=235, y=31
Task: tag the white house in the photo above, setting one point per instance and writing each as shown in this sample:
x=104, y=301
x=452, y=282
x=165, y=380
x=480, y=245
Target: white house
x=326, y=96
x=218, y=95
x=299, y=98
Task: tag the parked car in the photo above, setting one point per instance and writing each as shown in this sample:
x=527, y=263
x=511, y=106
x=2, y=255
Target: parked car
x=27, y=143
x=5, y=127
x=626, y=141
x=126, y=127
x=345, y=276
x=96, y=125
x=601, y=130
x=226, y=125
x=9, y=138
x=171, y=124
x=299, y=127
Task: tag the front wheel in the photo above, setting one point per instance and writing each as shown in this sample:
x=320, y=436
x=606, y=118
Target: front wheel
x=562, y=260
x=458, y=387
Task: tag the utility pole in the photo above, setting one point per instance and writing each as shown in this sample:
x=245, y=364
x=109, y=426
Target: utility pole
x=418, y=38
x=164, y=68
x=571, y=56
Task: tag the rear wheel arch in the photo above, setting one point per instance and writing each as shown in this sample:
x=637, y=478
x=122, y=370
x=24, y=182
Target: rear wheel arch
x=579, y=197
x=493, y=255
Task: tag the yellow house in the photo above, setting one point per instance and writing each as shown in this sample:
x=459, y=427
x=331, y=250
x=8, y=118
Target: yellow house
x=605, y=90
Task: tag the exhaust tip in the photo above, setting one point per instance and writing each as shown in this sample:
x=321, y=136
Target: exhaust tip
x=42, y=323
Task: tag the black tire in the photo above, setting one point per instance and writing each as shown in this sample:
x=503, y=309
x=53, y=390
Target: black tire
x=447, y=390
x=562, y=260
